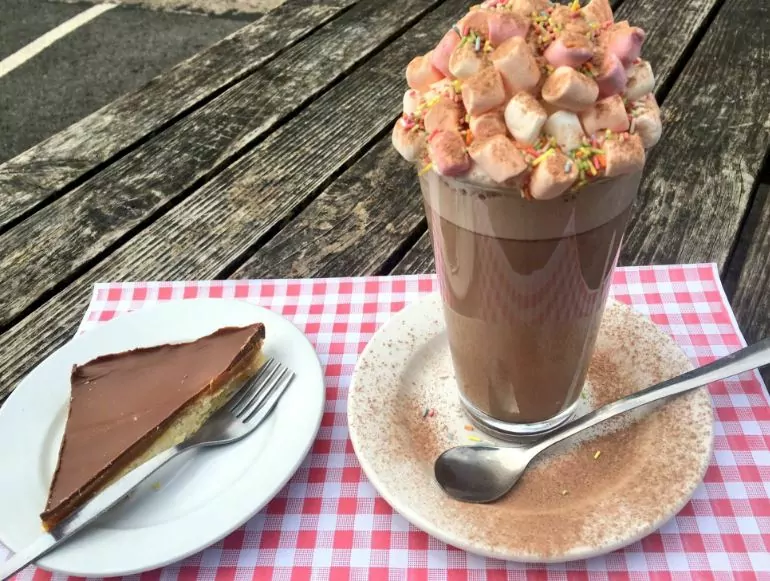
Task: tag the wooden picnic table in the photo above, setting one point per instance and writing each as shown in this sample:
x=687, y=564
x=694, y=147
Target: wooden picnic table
x=268, y=155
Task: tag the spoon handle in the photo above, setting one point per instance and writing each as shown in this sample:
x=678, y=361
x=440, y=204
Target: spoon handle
x=745, y=359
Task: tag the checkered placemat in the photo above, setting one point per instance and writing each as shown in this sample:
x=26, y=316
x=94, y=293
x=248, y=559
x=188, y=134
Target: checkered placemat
x=330, y=523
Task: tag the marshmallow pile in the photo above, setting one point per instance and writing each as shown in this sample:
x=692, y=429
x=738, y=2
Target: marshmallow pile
x=543, y=96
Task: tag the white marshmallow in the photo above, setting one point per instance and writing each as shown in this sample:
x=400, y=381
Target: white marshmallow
x=566, y=129
x=487, y=125
x=525, y=118
x=408, y=142
x=420, y=73
x=465, y=61
x=498, y=157
x=641, y=80
x=483, y=91
x=647, y=124
x=516, y=64
x=411, y=101
x=598, y=11
x=552, y=177
x=568, y=89
x=609, y=113
x=444, y=114
x=624, y=156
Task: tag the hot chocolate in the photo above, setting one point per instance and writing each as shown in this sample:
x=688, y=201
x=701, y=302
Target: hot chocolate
x=529, y=124
x=524, y=285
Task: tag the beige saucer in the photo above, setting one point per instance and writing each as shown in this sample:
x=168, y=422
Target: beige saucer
x=588, y=498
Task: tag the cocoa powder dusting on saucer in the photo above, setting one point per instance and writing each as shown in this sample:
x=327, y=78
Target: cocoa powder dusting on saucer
x=617, y=481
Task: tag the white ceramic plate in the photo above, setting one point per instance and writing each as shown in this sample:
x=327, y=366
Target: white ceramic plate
x=199, y=500
x=574, y=504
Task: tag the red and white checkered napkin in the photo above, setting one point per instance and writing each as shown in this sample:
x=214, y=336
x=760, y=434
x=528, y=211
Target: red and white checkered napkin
x=329, y=522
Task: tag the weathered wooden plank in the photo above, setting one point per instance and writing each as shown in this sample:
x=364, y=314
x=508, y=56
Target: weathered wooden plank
x=717, y=117
x=218, y=224
x=419, y=259
x=353, y=227
x=671, y=29
x=30, y=178
x=750, y=293
x=62, y=238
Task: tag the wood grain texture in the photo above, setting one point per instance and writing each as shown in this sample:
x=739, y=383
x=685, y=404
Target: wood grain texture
x=700, y=176
x=751, y=296
x=352, y=228
x=670, y=28
x=65, y=236
x=419, y=259
x=29, y=179
x=229, y=216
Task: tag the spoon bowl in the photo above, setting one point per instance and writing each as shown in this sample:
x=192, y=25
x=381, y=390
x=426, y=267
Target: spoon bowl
x=479, y=474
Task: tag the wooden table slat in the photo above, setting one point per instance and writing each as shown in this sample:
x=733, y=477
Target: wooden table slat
x=60, y=240
x=219, y=222
x=354, y=226
x=751, y=298
x=419, y=259
x=29, y=179
x=699, y=179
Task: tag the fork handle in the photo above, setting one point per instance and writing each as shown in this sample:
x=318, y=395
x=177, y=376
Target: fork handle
x=89, y=512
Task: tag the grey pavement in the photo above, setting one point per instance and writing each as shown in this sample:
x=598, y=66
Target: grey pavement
x=115, y=53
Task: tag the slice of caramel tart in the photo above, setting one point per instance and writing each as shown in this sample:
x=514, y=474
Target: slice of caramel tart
x=127, y=407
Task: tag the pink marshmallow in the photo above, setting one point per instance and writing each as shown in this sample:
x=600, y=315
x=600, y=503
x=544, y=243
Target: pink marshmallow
x=476, y=21
x=568, y=89
x=612, y=76
x=448, y=154
x=445, y=114
x=487, y=125
x=552, y=177
x=483, y=91
x=624, y=156
x=498, y=157
x=442, y=53
x=569, y=50
x=420, y=74
x=609, y=113
x=505, y=25
x=517, y=65
x=598, y=11
x=626, y=43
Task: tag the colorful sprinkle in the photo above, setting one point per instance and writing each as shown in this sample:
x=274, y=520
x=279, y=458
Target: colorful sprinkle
x=598, y=453
x=540, y=159
x=432, y=413
x=468, y=427
x=426, y=410
x=477, y=48
x=474, y=438
x=564, y=492
x=568, y=167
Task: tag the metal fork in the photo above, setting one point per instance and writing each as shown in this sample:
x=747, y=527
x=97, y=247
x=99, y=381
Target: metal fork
x=245, y=411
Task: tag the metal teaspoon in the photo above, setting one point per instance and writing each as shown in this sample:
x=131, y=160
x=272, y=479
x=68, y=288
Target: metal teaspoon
x=481, y=474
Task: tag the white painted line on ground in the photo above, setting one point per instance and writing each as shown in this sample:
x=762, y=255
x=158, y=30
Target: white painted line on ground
x=39, y=44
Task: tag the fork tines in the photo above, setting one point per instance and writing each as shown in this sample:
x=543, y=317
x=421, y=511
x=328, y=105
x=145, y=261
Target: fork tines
x=262, y=391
